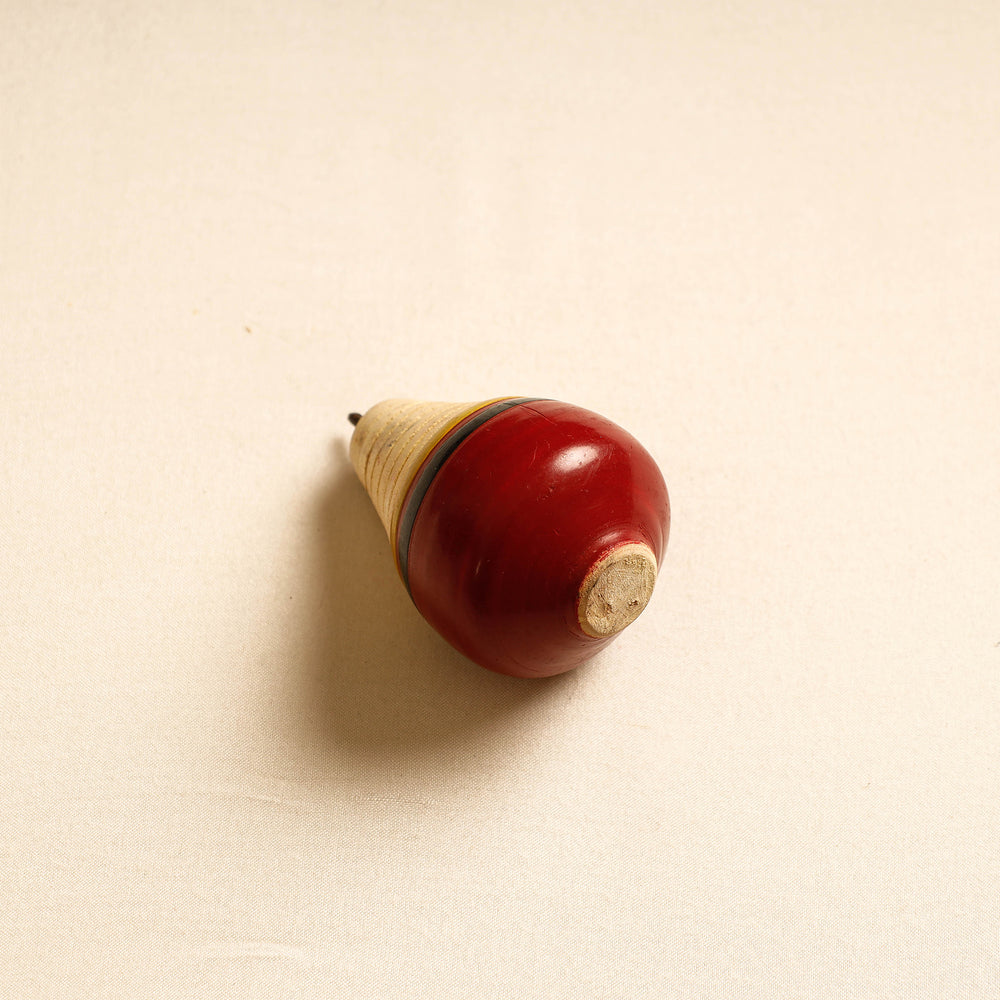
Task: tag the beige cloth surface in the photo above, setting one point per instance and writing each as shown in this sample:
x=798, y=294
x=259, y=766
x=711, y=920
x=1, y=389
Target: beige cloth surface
x=764, y=237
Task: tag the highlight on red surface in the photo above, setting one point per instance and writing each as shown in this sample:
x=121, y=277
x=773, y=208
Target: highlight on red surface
x=513, y=521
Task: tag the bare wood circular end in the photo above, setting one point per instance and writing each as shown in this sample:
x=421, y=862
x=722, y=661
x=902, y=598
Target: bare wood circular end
x=616, y=589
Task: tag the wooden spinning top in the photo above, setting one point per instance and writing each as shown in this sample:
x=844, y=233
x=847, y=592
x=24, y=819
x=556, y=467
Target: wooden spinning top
x=527, y=531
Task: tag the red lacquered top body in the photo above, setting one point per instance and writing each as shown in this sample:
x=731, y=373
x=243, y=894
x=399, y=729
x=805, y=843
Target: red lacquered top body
x=513, y=520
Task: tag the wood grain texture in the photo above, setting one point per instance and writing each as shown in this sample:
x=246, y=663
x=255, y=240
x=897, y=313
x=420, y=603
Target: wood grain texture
x=391, y=442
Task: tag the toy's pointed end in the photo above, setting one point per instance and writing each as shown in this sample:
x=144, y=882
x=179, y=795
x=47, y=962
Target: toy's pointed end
x=354, y=418
x=389, y=444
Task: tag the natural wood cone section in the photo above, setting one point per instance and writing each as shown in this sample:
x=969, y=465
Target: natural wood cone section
x=390, y=443
x=616, y=590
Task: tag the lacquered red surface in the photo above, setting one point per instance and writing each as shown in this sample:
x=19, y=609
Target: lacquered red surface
x=512, y=522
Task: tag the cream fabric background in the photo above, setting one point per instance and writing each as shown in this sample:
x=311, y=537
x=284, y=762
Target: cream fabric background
x=765, y=237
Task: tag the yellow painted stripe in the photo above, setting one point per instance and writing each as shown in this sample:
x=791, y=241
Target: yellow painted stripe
x=427, y=452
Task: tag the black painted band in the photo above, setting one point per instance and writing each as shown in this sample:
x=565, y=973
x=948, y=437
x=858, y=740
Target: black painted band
x=432, y=464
